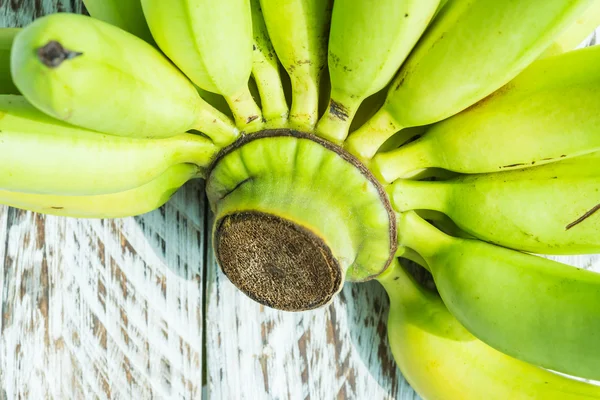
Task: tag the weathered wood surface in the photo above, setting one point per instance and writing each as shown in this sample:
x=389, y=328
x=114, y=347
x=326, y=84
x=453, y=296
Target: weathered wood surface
x=136, y=309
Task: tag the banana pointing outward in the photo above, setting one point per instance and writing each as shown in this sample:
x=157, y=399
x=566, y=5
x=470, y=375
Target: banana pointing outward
x=368, y=43
x=136, y=201
x=7, y=36
x=442, y=361
x=547, y=113
x=211, y=41
x=97, y=76
x=265, y=69
x=576, y=33
x=299, y=31
x=126, y=14
x=549, y=209
x=531, y=308
x=471, y=49
x=44, y=155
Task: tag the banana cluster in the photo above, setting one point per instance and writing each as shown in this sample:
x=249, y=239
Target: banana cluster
x=337, y=138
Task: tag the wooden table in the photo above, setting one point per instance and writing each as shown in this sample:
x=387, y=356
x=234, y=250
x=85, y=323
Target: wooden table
x=136, y=308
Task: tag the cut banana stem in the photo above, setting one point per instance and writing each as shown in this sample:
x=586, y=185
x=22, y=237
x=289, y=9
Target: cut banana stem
x=296, y=216
x=367, y=44
x=442, y=361
x=528, y=307
x=126, y=14
x=547, y=113
x=96, y=76
x=299, y=30
x=43, y=155
x=140, y=200
x=7, y=36
x=549, y=209
x=211, y=42
x=575, y=33
x=471, y=49
x=265, y=70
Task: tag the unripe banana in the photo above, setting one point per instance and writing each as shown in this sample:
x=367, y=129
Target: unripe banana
x=265, y=69
x=7, y=36
x=472, y=48
x=442, y=361
x=547, y=113
x=576, y=33
x=126, y=14
x=531, y=308
x=136, y=201
x=97, y=76
x=44, y=155
x=299, y=30
x=211, y=42
x=368, y=43
x=549, y=209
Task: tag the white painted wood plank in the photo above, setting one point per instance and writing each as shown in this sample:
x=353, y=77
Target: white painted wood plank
x=103, y=309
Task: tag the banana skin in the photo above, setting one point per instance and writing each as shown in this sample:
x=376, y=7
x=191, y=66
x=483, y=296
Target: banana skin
x=96, y=76
x=547, y=113
x=442, y=361
x=43, y=155
x=472, y=48
x=534, y=309
x=550, y=209
x=132, y=202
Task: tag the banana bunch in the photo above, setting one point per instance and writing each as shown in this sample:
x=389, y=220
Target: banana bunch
x=335, y=137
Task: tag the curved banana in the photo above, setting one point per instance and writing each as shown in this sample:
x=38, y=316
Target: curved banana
x=211, y=41
x=299, y=31
x=576, y=33
x=126, y=14
x=44, y=155
x=547, y=113
x=96, y=76
x=265, y=70
x=531, y=308
x=442, y=361
x=471, y=49
x=136, y=201
x=368, y=43
x=7, y=36
x=551, y=209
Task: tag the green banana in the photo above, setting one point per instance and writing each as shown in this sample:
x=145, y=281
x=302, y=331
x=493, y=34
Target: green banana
x=7, y=36
x=265, y=70
x=528, y=307
x=299, y=30
x=549, y=209
x=96, y=76
x=368, y=43
x=136, y=201
x=46, y=156
x=576, y=33
x=472, y=48
x=547, y=113
x=126, y=14
x=442, y=361
x=211, y=41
